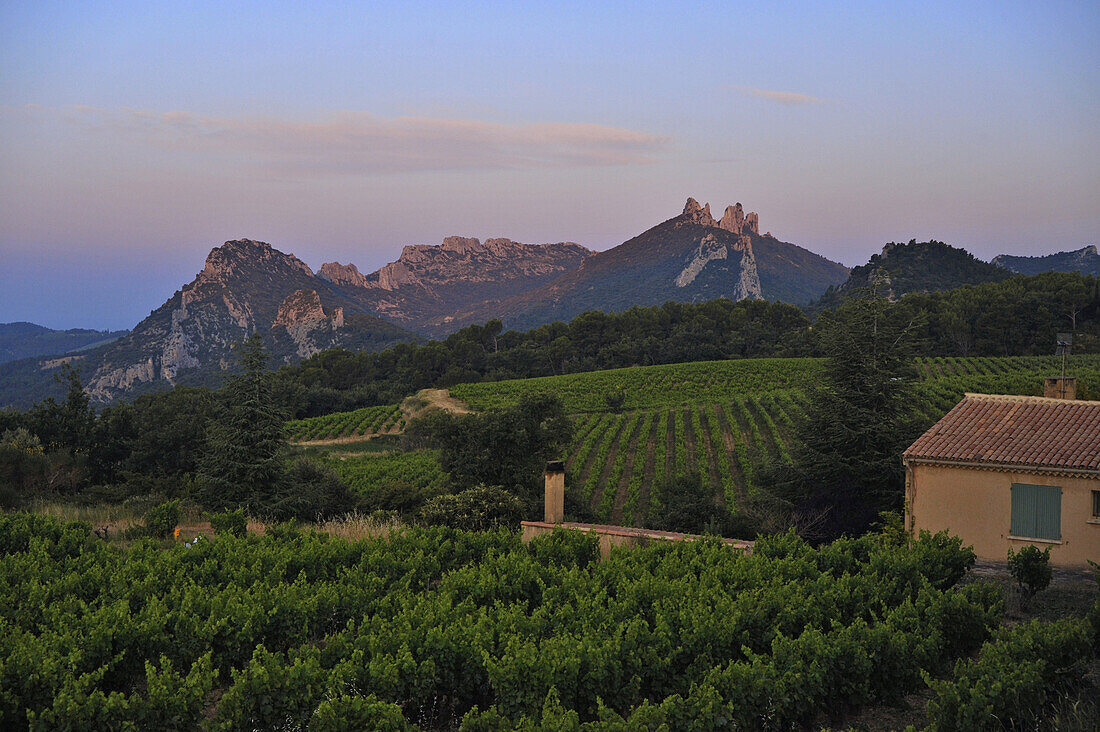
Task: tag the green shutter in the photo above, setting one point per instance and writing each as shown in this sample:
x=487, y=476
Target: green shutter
x=1037, y=511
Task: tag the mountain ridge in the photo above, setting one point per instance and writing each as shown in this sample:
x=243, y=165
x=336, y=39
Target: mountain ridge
x=1085, y=260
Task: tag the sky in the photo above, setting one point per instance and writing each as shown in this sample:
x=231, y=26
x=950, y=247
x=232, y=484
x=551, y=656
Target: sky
x=134, y=137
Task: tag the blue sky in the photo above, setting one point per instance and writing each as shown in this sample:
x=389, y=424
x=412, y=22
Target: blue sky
x=136, y=136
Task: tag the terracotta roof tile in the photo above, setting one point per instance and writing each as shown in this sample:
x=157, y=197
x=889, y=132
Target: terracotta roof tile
x=1015, y=430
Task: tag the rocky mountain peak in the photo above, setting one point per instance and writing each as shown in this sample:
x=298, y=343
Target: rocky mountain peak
x=735, y=220
x=460, y=244
x=696, y=214
x=241, y=254
x=342, y=274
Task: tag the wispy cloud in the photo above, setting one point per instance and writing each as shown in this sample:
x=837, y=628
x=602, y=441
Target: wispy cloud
x=361, y=143
x=783, y=97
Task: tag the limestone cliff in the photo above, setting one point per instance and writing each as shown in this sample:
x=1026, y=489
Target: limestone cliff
x=244, y=287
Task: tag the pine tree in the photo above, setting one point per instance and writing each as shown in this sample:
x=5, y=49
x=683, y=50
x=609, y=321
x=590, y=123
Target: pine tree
x=245, y=458
x=862, y=417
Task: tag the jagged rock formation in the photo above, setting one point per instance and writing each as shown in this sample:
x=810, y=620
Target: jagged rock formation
x=244, y=287
x=690, y=257
x=1085, y=260
x=249, y=287
x=346, y=275
x=428, y=284
x=303, y=318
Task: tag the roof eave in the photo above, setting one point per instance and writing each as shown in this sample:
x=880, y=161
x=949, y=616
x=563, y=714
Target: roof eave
x=1005, y=467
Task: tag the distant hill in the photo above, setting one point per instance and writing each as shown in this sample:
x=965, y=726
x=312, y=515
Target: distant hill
x=1085, y=260
x=926, y=266
x=688, y=258
x=24, y=340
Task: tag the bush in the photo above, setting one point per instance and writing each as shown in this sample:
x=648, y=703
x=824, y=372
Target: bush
x=311, y=492
x=1013, y=677
x=357, y=712
x=615, y=399
x=1031, y=569
x=233, y=523
x=160, y=520
x=477, y=509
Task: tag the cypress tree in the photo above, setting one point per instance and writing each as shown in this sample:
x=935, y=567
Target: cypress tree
x=862, y=417
x=245, y=458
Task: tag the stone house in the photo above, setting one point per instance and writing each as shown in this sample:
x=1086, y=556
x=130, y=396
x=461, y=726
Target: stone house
x=1003, y=472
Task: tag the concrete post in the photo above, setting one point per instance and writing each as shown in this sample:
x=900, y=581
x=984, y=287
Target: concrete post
x=555, y=492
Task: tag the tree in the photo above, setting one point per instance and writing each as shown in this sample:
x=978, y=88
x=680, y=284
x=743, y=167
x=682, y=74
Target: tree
x=504, y=447
x=244, y=463
x=861, y=418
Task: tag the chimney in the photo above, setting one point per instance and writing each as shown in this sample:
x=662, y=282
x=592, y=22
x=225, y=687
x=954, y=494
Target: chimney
x=1060, y=387
x=555, y=492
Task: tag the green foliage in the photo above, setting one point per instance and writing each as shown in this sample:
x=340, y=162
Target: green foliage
x=650, y=387
x=161, y=520
x=1013, y=677
x=862, y=417
x=689, y=506
x=507, y=447
x=484, y=508
x=357, y=713
x=295, y=629
x=244, y=460
x=399, y=481
x=615, y=399
x=310, y=492
x=1030, y=568
x=231, y=523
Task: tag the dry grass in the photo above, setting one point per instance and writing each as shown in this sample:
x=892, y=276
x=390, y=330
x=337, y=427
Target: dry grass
x=355, y=526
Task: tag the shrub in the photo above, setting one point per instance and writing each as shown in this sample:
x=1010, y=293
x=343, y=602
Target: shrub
x=1013, y=677
x=357, y=712
x=310, y=492
x=477, y=509
x=160, y=520
x=615, y=399
x=1031, y=569
x=233, y=523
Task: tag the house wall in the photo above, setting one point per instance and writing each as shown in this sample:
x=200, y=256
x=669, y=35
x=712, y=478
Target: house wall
x=976, y=505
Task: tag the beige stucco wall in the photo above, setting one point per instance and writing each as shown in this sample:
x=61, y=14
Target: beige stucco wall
x=976, y=505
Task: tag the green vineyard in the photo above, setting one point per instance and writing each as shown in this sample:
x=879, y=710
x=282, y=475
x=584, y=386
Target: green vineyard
x=360, y=423
x=727, y=420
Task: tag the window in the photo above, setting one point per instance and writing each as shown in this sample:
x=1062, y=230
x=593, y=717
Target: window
x=1037, y=511
x=1096, y=504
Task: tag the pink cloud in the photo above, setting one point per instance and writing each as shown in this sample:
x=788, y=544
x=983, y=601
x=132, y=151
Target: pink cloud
x=362, y=143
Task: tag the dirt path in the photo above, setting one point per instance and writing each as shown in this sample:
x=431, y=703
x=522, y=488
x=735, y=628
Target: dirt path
x=347, y=440
x=736, y=469
x=712, y=455
x=641, y=511
x=670, y=445
x=427, y=400
x=628, y=471
x=689, y=440
x=608, y=464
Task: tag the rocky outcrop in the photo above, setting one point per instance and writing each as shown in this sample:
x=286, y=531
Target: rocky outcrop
x=735, y=221
x=711, y=249
x=429, y=283
x=303, y=318
x=347, y=275
x=696, y=214
x=245, y=287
